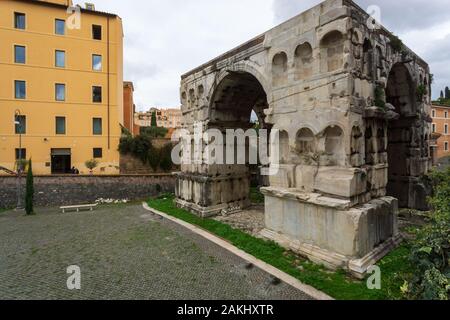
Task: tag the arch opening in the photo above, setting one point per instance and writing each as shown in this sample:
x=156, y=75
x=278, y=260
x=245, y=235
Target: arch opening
x=400, y=94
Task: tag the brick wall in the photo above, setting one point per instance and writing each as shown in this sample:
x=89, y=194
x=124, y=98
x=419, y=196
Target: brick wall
x=67, y=190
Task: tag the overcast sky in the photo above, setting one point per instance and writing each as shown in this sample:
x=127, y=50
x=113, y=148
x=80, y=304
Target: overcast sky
x=166, y=38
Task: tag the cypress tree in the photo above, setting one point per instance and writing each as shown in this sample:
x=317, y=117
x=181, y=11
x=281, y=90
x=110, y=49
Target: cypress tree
x=154, y=122
x=29, y=193
x=442, y=94
x=447, y=93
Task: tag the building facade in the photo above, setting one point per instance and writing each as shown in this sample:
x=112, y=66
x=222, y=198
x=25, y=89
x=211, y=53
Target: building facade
x=165, y=118
x=441, y=126
x=129, y=108
x=61, y=89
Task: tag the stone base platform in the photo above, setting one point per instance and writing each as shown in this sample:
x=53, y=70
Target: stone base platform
x=329, y=231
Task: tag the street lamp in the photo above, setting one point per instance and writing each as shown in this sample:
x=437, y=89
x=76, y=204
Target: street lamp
x=17, y=122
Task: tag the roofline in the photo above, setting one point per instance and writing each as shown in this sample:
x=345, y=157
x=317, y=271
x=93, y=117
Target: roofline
x=57, y=5
x=440, y=105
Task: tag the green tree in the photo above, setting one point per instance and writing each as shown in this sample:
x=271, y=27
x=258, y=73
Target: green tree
x=447, y=93
x=154, y=158
x=29, y=193
x=154, y=122
x=91, y=164
x=442, y=94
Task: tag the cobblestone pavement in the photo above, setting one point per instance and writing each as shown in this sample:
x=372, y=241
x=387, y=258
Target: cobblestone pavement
x=250, y=220
x=124, y=252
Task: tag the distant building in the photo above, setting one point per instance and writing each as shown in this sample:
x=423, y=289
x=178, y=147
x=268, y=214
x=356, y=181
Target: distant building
x=166, y=118
x=129, y=108
x=441, y=126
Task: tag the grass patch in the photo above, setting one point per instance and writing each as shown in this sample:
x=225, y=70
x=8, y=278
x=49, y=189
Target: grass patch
x=336, y=284
x=4, y=210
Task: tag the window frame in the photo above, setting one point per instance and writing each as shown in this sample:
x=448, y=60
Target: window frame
x=94, y=132
x=17, y=14
x=57, y=51
x=446, y=146
x=446, y=128
x=56, y=27
x=23, y=126
x=16, y=46
x=95, y=29
x=95, y=155
x=56, y=125
x=24, y=154
x=93, y=62
x=16, y=82
x=94, y=95
x=58, y=85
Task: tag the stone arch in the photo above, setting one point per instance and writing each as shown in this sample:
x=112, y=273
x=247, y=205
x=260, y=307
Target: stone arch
x=279, y=68
x=332, y=51
x=303, y=57
x=334, y=146
x=240, y=67
x=368, y=58
x=400, y=93
x=305, y=141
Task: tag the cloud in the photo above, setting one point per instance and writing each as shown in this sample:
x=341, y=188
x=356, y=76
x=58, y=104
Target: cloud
x=164, y=39
x=423, y=26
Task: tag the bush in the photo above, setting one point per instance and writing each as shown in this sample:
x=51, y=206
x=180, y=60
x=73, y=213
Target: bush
x=154, y=132
x=431, y=250
x=166, y=163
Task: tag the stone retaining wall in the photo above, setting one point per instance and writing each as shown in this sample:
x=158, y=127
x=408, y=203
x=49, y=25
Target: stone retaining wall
x=67, y=190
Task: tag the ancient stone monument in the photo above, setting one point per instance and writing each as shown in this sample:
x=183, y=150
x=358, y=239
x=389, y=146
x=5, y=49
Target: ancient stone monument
x=351, y=103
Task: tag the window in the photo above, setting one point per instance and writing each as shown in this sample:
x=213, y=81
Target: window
x=98, y=153
x=97, y=126
x=60, y=92
x=21, y=154
x=20, y=124
x=60, y=26
x=96, y=32
x=446, y=146
x=96, y=62
x=60, y=59
x=96, y=94
x=19, y=54
x=446, y=129
x=20, y=89
x=446, y=114
x=433, y=126
x=433, y=113
x=60, y=125
x=19, y=20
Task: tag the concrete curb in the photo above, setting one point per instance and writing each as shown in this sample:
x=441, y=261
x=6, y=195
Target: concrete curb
x=312, y=292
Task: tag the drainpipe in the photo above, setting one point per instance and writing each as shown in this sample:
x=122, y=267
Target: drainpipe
x=108, y=70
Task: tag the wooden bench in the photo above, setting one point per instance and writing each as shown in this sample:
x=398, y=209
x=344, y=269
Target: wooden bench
x=79, y=207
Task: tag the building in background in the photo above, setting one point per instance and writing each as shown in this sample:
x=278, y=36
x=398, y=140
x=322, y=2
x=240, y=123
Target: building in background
x=165, y=118
x=441, y=127
x=66, y=81
x=129, y=108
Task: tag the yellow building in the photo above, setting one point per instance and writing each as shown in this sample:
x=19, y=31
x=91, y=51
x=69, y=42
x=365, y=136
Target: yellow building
x=61, y=69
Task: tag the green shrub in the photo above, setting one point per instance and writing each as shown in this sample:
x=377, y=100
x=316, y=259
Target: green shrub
x=396, y=44
x=421, y=92
x=431, y=250
x=166, y=163
x=153, y=132
x=380, y=97
x=154, y=158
